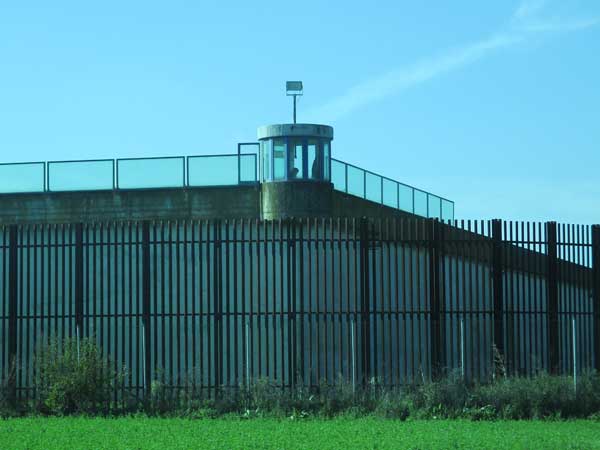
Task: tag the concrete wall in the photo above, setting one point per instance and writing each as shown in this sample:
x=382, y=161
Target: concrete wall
x=279, y=200
x=224, y=202
x=347, y=205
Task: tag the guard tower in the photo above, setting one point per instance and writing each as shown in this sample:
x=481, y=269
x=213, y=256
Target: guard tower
x=295, y=170
x=295, y=166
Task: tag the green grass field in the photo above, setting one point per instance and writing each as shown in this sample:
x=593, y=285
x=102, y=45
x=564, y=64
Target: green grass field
x=367, y=433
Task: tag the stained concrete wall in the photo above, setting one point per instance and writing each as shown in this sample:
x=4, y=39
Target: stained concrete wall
x=347, y=205
x=282, y=200
x=277, y=200
x=167, y=204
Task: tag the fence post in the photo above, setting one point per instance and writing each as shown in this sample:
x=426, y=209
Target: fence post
x=596, y=291
x=434, y=238
x=147, y=373
x=552, y=295
x=365, y=335
x=79, y=280
x=498, y=283
x=291, y=295
x=218, y=308
x=12, y=313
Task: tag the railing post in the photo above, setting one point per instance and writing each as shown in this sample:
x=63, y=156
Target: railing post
x=435, y=247
x=365, y=335
x=12, y=313
x=498, y=285
x=346, y=175
x=596, y=292
x=239, y=163
x=147, y=373
x=364, y=184
x=552, y=296
x=79, y=279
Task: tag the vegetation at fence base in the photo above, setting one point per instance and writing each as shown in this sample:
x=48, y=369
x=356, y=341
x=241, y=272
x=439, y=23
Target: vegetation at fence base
x=7, y=403
x=340, y=433
x=540, y=397
x=74, y=377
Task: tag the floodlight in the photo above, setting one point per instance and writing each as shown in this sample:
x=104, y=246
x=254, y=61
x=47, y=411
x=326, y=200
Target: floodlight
x=294, y=89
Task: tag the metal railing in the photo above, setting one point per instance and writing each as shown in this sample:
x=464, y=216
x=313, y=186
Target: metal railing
x=377, y=188
x=129, y=173
x=206, y=170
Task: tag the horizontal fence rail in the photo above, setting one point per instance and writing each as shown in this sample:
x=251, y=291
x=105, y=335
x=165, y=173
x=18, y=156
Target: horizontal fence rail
x=217, y=304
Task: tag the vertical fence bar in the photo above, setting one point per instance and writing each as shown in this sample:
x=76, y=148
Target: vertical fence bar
x=79, y=279
x=552, y=296
x=291, y=301
x=434, y=238
x=365, y=338
x=497, y=268
x=462, y=347
x=146, y=343
x=12, y=313
x=596, y=293
x=217, y=308
x=303, y=320
x=574, y=339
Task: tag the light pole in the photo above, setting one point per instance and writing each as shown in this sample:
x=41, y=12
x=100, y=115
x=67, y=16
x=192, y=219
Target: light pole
x=294, y=89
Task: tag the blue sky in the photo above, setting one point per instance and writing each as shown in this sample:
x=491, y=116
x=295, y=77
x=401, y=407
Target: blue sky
x=495, y=105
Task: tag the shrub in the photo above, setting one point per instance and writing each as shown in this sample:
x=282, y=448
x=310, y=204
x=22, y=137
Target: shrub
x=543, y=396
x=7, y=406
x=73, y=377
x=447, y=397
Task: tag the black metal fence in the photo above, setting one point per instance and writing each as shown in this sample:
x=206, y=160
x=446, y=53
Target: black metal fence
x=221, y=303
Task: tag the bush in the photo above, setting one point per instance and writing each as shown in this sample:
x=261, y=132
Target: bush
x=447, y=397
x=73, y=377
x=543, y=396
x=7, y=407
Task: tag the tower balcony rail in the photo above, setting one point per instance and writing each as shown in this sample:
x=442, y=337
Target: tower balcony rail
x=377, y=188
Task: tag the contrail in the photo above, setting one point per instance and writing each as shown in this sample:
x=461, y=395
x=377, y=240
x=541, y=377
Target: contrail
x=522, y=26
